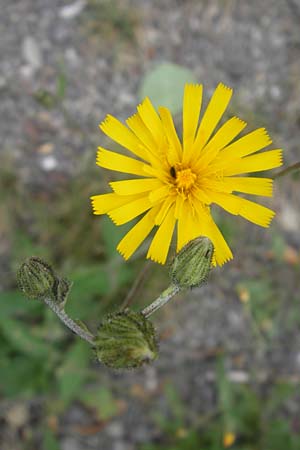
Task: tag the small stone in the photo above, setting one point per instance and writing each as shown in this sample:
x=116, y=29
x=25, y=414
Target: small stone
x=291, y=255
x=71, y=56
x=2, y=82
x=17, y=416
x=49, y=163
x=115, y=430
x=70, y=443
x=45, y=148
x=72, y=10
x=238, y=376
x=297, y=358
x=32, y=53
x=289, y=218
x=275, y=92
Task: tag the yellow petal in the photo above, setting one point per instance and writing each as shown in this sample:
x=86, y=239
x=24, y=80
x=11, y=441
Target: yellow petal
x=117, y=131
x=159, y=194
x=251, y=211
x=157, y=172
x=188, y=228
x=192, y=225
x=115, y=161
x=255, y=163
x=223, y=136
x=129, y=187
x=192, y=100
x=222, y=252
x=151, y=120
x=136, y=124
x=133, y=239
x=159, y=248
x=251, y=143
x=214, y=111
x=164, y=208
x=249, y=185
x=179, y=205
x=175, y=151
x=129, y=211
x=105, y=202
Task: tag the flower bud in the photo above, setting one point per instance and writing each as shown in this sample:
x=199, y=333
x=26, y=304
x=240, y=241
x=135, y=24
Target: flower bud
x=61, y=291
x=36, y=278
x=126, y=340
x=192, y=264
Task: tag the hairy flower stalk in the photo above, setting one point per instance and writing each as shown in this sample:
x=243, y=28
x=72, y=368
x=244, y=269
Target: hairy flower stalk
x=37, y=280
x=190, y=268
x=70, y=323
x=164, y=297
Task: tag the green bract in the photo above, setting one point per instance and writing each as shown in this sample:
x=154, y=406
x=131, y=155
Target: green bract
x=126, y=340
x=36, y=278
x=191, y=266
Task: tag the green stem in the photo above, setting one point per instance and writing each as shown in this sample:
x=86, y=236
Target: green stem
x=164, y=297
x=70, y=323
x=289, y=169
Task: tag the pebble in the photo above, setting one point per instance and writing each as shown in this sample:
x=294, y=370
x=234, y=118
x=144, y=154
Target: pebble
x=115, y=430
x=70, y=443
x=31, y=53
x=289, y=218
x=17, y=416
x=70, y=11
x=275, y=92
x=45, y=148
x=49, y=163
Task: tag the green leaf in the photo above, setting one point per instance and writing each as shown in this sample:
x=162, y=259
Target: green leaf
x=72, y=374
x=14, y=303
x=61, y=84
x=176, y=404
x=21, y=338
x=89, y=283
x=164, y=85
x=111, y=236
x=226, y=397
x=23, y=376
x=50, y=441
x=103, y=401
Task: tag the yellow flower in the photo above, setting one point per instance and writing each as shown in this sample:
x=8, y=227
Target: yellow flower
x=228, y=439
x=176, y=181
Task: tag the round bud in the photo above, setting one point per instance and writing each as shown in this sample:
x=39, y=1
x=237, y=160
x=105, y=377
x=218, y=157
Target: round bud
x=126, y=340
x=191, y=266
x=36, y=278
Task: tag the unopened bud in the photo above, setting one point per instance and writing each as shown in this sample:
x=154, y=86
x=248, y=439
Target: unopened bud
x=191, y=266
x=126, y=340
x=61, y=291
x=36, y=278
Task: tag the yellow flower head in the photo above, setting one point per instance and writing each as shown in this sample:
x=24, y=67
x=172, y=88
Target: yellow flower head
x=176, y=182
x=228, y=439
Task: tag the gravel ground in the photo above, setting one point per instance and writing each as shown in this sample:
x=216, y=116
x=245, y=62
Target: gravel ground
x=252, y=46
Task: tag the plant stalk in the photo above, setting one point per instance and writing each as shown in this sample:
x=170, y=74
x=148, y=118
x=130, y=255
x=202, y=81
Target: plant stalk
x=287, y=170
x=70, y=323
x=164, y=297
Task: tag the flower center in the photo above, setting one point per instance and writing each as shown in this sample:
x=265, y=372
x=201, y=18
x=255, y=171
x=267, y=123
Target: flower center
x=185, y=179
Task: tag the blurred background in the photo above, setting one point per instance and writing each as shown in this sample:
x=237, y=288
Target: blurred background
x=228, y=374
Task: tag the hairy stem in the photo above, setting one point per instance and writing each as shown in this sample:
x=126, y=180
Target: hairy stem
x=137, y=283
x=164, y=297
x=70, y=323
x=286, y=171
